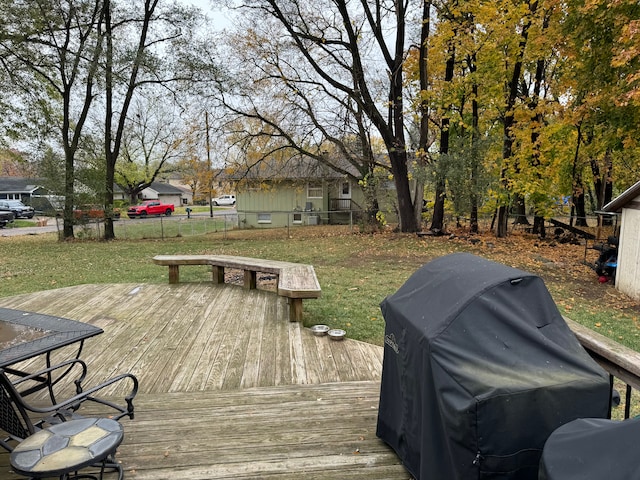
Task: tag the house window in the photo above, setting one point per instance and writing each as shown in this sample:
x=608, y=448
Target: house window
x=264, y=218
x=297, y=218
x=314, y=190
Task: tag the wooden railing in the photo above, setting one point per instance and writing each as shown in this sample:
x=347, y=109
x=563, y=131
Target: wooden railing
x=619, y=361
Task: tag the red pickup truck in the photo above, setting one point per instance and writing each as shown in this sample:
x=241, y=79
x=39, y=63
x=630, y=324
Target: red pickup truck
x=150, y=207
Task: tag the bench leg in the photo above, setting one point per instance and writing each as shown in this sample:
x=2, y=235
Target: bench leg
x=249, y=280
x=295, y=309
x=174, y=274
x=218, y=274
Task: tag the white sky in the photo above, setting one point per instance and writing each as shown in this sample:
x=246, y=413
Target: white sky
x=219, y=18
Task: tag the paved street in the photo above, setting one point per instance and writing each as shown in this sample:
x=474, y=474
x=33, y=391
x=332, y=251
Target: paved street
x=52, y=226
x=14, y=231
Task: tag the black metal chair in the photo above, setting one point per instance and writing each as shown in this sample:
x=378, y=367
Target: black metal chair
x=19, y=419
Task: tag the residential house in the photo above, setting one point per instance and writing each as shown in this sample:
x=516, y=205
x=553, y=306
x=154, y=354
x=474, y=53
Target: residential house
x=628, y=270
x=221, y=185
x=167, y=193
x=300, y=192
x=29, y=191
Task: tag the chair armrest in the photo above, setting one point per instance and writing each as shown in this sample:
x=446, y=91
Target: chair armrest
x=69, y=364
x=43, y=379
x=86, y=394
x=128, y=411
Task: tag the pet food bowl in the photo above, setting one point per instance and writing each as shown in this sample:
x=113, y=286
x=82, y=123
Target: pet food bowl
x=336, y=334
x=319, y=330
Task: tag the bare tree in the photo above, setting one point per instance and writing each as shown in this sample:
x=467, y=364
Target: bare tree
x=334, y=68
x=69, y=58
x=52, y=51
x=165, y=53
x=150, y=144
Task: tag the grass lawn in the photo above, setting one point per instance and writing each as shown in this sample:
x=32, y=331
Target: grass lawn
x=356, y=271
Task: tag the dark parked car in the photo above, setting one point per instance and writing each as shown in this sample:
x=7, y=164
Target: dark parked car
x=19, y=209
x=6, y=216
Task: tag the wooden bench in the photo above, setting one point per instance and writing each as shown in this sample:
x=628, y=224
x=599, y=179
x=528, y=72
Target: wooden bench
x=295, y=281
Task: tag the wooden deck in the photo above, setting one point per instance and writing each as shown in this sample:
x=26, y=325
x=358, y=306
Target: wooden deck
x=229, y=387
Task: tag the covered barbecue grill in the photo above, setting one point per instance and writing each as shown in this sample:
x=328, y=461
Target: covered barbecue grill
x=479, y=368
x=592, y=449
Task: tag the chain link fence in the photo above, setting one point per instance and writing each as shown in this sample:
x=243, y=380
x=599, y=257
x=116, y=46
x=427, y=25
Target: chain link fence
x=592, y=228
x=159, y=227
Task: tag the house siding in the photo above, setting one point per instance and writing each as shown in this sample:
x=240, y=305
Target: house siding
x=279, y=201
x=627, y=273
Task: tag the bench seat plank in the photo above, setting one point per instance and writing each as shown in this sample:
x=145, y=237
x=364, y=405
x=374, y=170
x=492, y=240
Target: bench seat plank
x=299, y=281
x=295, y=281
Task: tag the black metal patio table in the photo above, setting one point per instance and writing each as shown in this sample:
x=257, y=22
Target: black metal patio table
x=24, y=335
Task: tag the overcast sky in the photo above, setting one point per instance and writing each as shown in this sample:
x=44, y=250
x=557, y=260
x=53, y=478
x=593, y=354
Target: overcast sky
x=220, y=19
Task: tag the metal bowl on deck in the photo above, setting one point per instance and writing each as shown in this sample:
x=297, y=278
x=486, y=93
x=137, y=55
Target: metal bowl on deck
x=320, y=330
x=336, y=334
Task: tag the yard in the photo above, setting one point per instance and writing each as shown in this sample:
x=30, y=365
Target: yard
x=230, y=354
x=356, y=271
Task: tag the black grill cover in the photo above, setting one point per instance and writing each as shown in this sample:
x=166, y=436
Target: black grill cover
x=479, y=368
x=592, y=449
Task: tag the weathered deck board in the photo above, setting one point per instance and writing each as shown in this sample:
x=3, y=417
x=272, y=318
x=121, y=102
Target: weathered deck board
x=173, y=338
x=229, y=387
x=312, y=431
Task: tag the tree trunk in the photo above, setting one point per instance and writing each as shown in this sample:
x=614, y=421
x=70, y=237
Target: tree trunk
x=405, y=205
x=113, y=142
x=539, y=227
x=109, y=233
x=423, y=142
x=475, y=135
x=520, y=210
x=509, y=120
x=501, y=222
x=502, y=215
x=437, y=221
x=535, y=125
x=69, y=196
x=578, y=210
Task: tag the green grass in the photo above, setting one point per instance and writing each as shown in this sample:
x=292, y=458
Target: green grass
x=21, y=223
x=356, y=271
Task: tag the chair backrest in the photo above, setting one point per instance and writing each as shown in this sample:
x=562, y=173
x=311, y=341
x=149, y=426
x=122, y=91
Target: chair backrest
x=14, y=420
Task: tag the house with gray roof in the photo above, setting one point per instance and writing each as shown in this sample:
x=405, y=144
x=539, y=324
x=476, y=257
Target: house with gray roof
x=29, y=191
x=167, y=193
x=300, y=191
x=20, y=188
